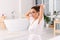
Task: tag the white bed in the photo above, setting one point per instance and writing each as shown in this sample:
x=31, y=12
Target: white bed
x=5, y=35
x=14, y=25
x=16, y=30
x=55, y=38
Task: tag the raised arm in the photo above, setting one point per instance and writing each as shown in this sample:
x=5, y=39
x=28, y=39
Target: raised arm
x=27, y=14
x=41, y=15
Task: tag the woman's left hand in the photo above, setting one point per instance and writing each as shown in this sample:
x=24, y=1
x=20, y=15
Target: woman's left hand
x=42, y=6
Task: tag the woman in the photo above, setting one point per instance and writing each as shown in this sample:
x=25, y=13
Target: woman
x=35, y=15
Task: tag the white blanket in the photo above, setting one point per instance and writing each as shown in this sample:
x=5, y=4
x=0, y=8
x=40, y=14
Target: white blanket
x=5, y=35
x=56, y=38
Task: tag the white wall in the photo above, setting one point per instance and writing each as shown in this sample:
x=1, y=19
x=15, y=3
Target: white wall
x=39, y=2
x=7, y=6
x=54, y=5
x=51, y=6
x=57, y=5
x=46, y=9
x=24, y=6
x=19, y=6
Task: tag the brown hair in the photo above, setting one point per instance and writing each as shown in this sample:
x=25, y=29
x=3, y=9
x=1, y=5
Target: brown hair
x=37, y=8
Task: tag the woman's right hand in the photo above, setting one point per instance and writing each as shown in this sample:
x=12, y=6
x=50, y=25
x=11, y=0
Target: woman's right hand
x=27, y=14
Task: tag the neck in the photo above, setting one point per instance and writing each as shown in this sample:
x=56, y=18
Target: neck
x=36, y=18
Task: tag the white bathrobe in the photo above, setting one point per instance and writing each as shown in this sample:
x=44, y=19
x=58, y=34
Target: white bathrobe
x=35, y=29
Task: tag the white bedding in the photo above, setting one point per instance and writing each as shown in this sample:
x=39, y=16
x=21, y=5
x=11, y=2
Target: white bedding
x=56, y=38
x=23, y=35
x=5, y=35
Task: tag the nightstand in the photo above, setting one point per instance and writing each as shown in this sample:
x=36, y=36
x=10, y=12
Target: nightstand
x=2, y=25
x=56, y=26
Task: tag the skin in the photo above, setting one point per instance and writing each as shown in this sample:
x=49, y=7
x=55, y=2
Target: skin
x=35, y=13
x=41, y=13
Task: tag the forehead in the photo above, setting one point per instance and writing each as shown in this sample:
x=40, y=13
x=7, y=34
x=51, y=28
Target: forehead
x=33, y=10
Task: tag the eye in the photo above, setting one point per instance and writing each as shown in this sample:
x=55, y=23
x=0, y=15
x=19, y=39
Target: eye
x=33, y=12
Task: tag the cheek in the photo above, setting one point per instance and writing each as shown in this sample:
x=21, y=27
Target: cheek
x=36, y=14
x=33, y=14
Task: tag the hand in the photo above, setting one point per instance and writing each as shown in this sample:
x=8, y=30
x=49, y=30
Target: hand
x=28, y=13
x=42, y=6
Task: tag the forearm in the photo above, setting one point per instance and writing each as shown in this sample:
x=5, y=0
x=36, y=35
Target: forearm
x=41, y=13
x=27, y=15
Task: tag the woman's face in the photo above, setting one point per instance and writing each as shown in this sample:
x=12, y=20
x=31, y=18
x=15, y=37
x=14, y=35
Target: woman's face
x=34, y=13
